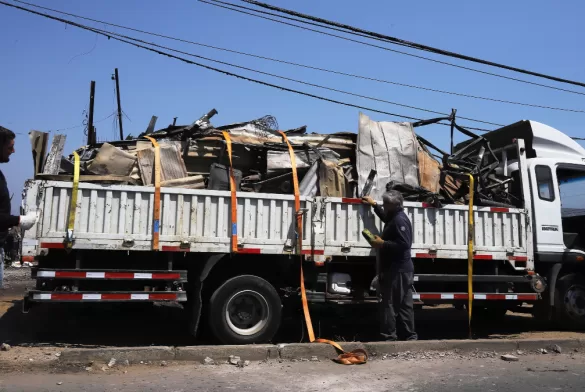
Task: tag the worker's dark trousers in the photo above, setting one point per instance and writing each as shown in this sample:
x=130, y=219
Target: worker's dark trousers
x=396, y=305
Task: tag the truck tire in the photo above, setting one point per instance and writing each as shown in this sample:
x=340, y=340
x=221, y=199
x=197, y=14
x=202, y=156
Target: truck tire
x=245, y=309
x=570, y=301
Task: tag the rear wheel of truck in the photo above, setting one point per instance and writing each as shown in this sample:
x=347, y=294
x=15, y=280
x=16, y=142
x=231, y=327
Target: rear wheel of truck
x=245, y=309
x=570, y=301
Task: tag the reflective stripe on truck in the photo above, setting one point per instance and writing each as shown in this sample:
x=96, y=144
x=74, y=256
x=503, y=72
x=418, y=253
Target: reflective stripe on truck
x=39, y=296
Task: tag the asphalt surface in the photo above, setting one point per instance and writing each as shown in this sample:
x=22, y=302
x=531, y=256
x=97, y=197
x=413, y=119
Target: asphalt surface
x=532, y=373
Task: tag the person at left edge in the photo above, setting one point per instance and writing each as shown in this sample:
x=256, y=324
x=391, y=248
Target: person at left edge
x=7, y=220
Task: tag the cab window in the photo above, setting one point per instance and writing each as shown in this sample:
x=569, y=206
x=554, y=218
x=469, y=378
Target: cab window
x=545, y=183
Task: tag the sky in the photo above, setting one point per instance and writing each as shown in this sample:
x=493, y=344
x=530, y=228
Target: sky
x=46, y=67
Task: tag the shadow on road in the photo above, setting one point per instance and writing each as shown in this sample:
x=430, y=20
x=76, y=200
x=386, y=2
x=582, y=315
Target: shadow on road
x=163, y=324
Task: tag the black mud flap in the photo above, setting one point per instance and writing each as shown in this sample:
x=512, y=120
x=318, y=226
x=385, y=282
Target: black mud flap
x=26, y=304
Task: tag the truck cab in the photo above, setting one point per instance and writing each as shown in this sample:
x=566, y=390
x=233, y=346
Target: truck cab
x=556, y=172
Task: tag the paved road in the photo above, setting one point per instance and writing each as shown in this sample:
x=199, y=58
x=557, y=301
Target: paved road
x=530, y=374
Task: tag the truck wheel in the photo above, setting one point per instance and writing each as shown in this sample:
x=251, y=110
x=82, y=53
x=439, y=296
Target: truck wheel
x=570, y=301
x=245, y=309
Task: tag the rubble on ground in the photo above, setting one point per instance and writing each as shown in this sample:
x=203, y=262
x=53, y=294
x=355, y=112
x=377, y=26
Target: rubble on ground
x=208, y=361
x=388, y=154
x=234, y=359
x=435, y=355
x=556, y=348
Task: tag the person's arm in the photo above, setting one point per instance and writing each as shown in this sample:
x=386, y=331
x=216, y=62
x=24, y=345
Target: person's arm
x=403, y=239
x=377, y=209
x=8, y=221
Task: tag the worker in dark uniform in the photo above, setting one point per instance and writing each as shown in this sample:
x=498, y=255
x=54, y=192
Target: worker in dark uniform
x=7, y=220
x=396, y=271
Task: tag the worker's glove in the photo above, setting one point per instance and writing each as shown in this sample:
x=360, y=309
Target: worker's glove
x=27, y=221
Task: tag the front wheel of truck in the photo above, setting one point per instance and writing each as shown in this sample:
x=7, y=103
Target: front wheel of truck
x=245, y=309
x=570, y=301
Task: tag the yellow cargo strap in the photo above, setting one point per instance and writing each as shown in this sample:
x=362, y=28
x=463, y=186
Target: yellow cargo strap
x=470, y=237
x=354, y=357
x=73, y=203
x=234, y=200
x=156, y=210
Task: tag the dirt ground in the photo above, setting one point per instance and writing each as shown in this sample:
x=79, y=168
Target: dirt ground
x=46, y=329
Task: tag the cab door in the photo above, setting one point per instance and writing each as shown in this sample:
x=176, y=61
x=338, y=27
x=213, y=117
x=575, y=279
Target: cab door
x=547, y=206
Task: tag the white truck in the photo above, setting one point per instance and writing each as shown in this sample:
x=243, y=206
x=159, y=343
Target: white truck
x=530, y=254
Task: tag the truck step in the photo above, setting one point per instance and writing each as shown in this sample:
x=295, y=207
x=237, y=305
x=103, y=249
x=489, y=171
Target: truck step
x=179, y=276
x=106, y=296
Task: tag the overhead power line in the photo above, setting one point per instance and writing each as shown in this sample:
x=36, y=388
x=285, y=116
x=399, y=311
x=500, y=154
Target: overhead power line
x=111, y=36
x=217, y=3
x=109, y=33
x=115, y=36
x=413, y=45
x=293, y=80
x=303, y=65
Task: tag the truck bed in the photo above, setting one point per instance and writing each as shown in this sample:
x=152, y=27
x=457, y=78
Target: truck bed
x=119, y=217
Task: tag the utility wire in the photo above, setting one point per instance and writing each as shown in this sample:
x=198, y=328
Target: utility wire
x=81, y=125
x=213, y=68
x=413, y=45
x=304, y=65
x=289, y=79
x=388, y=49
x=115, y=37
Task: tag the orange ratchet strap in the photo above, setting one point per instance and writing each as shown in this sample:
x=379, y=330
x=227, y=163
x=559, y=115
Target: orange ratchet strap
x=156, y=213
x=228, y=142
x=355, y=357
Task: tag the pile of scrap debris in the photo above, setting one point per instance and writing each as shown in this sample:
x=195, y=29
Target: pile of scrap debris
x=383, y=155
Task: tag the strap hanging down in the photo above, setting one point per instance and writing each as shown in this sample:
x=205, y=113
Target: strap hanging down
x=355, y=357
x=156, y=212
x=73, y=203
x=234, y=200
x=470, y=238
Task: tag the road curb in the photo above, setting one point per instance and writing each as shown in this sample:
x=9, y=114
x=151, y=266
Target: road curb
x=307, y=351
x=132, y=354
x=222, y=353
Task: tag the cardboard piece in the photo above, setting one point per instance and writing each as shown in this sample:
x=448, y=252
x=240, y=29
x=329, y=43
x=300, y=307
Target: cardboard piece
x=38, y=141
x=111, y=160
x=429, y=171
x=331, y=179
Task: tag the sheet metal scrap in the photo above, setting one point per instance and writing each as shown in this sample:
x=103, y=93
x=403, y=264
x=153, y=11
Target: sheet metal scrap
x=326, y=162
x=477, y=158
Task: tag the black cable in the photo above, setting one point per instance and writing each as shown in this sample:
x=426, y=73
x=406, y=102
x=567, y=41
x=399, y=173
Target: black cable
x=304, y=65
x=392, y=50
x=287, y=78
x=332, y=35
x=413, y=45
x=209, y=67
x=110, y=35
